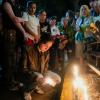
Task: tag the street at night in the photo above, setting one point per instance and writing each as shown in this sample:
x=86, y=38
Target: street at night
x=49, y=50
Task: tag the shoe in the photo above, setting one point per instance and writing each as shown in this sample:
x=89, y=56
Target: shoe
x=39, y=90
x=27, y=96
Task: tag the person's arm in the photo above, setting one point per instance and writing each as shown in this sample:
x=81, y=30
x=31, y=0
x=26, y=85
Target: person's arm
x=16, y=20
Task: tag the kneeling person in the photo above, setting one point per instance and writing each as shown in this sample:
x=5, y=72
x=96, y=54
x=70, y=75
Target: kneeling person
x=35, y=67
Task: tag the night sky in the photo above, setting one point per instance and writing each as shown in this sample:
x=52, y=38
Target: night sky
x=56, y=7
x=59, y=7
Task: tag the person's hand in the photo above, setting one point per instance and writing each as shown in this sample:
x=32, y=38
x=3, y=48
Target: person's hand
x=40, y=79
x=18, y=20
x=25, y=36
x=36, y=38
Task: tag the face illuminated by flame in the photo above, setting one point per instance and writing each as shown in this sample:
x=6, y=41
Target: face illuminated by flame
x=45, y=46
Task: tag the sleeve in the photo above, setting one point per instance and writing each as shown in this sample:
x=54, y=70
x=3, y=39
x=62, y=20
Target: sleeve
x=25, y=16
x=78, y=23
x=38, y=24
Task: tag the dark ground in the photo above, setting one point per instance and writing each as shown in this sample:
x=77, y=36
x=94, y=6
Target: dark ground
x=50, y=93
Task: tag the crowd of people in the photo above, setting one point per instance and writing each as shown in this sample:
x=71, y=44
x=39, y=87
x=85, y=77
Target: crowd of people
x=34, y=47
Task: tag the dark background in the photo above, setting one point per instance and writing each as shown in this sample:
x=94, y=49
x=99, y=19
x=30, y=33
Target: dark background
x=54, y=7
x=57, y=7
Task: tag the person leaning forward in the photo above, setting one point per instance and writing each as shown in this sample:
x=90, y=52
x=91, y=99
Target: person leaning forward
x=34, y=68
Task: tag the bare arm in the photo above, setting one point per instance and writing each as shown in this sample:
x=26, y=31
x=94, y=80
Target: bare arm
x=16, y=20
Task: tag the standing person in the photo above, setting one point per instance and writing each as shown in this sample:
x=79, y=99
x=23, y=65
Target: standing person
x=70, y=29
x=62, y=52
x=97, y=10
x=31, y=24
x=44, y=25
x=53, y=27
x=35, y=67
x=13, y=40
x=79, y=37
x=82, y=24
x=92, y=11
x=55, y=33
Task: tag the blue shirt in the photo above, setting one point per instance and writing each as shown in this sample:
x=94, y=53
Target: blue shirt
x=79, y=37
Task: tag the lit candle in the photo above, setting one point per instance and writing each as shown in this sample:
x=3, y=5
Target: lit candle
x=49, y=81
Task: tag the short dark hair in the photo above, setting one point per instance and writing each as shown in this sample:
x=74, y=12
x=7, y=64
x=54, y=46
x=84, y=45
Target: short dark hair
x=53, y=17
x=41, y=11
x=29, y=3
x=45, y=37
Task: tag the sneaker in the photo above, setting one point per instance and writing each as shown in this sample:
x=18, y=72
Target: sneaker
x=39, y=90
x=27, y=96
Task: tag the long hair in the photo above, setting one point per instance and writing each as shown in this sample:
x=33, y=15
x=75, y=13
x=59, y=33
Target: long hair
x=87, y=9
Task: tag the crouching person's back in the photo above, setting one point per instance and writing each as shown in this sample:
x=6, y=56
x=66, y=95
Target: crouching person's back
x=34, y=73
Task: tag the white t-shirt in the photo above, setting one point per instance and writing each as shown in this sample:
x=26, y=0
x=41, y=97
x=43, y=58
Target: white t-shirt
x=55, y=31
x=31, y=22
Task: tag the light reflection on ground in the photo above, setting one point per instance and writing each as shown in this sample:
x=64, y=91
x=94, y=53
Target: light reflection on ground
x=93, y=84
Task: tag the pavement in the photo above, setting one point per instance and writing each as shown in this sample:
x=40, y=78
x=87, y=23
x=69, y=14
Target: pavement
x=50, y=94
x=90, y=79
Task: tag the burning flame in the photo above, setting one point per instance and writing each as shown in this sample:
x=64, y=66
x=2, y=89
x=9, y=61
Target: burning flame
x=49, y=81
x=79, y=85
x=76, y=71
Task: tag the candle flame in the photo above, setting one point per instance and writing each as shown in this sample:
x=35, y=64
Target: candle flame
x=49, y=81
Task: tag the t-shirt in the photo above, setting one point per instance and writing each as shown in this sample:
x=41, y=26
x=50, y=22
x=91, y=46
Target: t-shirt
x=32, y=22
x=55, y=31
x=44, y=27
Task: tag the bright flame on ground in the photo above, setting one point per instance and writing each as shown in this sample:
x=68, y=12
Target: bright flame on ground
x=49, y=81
x=79, y=85
x=75, y=71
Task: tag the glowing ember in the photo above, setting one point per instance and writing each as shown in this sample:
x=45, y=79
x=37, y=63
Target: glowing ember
x=49, y=81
